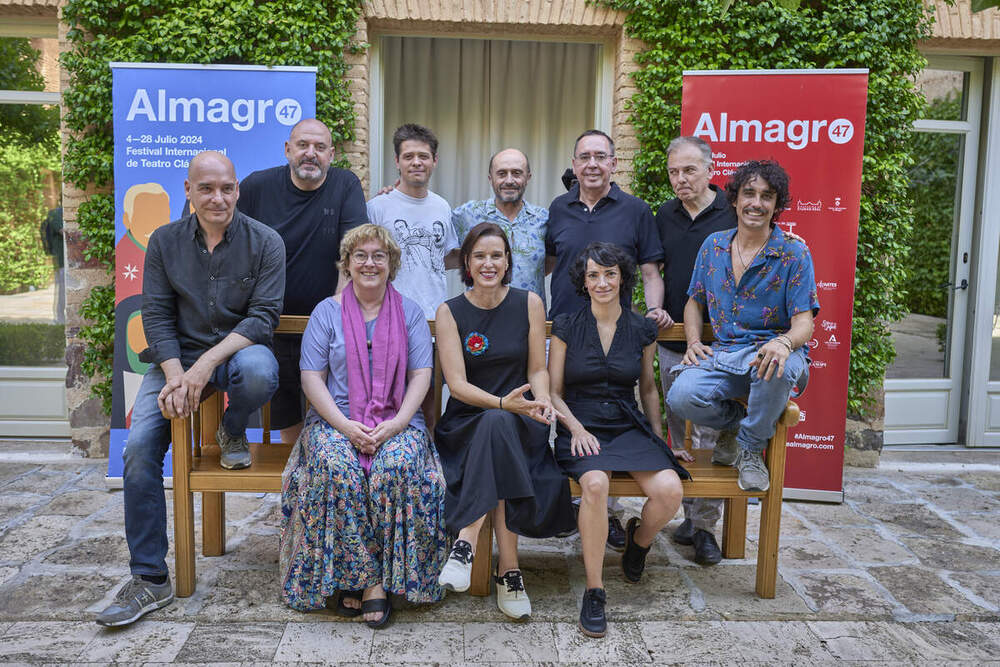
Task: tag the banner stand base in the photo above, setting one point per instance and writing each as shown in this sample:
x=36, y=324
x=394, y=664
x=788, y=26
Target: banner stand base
x=814, y=495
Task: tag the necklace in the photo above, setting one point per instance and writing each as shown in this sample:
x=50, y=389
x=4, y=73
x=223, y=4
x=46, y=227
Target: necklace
x=739, y=253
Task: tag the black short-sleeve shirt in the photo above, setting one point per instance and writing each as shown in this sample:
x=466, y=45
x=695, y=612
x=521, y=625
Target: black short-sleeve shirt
x=311, y=223
x=618, y=218
x=682, y=238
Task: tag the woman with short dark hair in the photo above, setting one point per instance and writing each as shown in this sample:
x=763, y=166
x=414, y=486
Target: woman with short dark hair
x=595, y=358
x=493, y=437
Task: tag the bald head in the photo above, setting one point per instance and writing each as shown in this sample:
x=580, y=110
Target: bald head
x=309, y=151
x=509, y=175
x=212, y=189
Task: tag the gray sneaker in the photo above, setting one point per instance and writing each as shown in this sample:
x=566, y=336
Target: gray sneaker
x=235, y=451
x=136, y=599
x=753, y=472
x=726, y=450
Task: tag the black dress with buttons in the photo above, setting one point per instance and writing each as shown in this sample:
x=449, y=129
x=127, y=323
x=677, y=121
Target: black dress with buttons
x=490, y=454
x=600, y=391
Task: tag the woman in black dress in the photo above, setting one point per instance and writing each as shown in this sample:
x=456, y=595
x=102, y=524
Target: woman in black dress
x=595, y=357
x=493, y=436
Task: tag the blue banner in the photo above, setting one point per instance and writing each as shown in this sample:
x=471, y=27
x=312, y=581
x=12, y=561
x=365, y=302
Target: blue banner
x=165, y=114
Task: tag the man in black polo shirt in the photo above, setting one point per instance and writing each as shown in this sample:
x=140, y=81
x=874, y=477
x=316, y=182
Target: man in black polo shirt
x=595, y=209
x=312, y=205
x=700, y=209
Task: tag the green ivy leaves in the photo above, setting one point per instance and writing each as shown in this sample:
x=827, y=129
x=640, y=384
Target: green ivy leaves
x=280, y=32
x=878, y=34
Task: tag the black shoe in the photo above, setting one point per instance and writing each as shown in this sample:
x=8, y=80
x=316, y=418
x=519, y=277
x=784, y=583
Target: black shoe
x=706, y=549
x=593, y=623
x=684, y=533
x=616, y=534
x=634, y=558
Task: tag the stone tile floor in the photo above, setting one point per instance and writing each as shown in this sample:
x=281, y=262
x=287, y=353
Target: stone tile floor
x=906, y=571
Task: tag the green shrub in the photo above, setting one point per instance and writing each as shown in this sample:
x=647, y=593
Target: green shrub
x=32, y=344
x=932, y=177
x=280, y=32
x=881, y=35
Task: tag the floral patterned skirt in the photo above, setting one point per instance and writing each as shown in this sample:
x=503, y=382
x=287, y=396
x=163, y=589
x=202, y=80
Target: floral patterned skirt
x=342, y=530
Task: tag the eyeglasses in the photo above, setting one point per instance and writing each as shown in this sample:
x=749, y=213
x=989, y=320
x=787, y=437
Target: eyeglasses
x=378, y=257
x=600, y=158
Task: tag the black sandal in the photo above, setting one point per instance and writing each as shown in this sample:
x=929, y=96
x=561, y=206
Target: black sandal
x=345, y=611
x=377, y=604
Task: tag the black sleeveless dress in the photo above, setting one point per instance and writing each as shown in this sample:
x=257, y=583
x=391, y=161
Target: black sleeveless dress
x=600, y=391
x=491, y=454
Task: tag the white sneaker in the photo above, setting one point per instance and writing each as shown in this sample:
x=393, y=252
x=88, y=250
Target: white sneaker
x=456, y=575
x=511, y=597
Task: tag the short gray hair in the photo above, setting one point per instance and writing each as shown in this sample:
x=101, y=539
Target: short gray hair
x=700, y=144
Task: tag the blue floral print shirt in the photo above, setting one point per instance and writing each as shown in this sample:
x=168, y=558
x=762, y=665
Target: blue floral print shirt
x=526, y=236
x=778, y=284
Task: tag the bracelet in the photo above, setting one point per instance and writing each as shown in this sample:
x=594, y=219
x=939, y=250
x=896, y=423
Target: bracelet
x=784, y=340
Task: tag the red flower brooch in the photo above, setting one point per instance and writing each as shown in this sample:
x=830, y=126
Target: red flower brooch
x=476, y=343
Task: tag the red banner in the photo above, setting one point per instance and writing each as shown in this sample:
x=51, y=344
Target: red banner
x=812, y=122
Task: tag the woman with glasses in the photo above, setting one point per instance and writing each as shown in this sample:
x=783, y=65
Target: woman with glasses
x=362, y=496
x=494, y=435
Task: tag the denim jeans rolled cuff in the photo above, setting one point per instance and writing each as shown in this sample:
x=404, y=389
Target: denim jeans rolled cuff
x=705, y=394
x=249, y=378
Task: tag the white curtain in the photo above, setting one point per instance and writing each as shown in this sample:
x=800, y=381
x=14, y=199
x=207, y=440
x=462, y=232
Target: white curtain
x=480, y=96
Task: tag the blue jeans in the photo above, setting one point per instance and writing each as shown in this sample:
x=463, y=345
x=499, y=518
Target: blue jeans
x=705, y=394
x=249, y=377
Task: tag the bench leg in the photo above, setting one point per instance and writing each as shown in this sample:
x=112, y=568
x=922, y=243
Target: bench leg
x=770, y=512
x=482, y=564
x=734, y=528
x=180, y=431
x=213, y=523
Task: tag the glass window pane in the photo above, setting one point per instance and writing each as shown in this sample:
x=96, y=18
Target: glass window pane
x=995, y=353
x=32, y=290
x=922, y=336
x=945, y=91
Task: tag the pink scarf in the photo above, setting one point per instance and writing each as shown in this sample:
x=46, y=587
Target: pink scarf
x=376, y=392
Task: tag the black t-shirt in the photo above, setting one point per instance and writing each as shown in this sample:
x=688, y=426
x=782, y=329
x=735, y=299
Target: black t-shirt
x=618, y=218
x=311, y=225
x=682, y=238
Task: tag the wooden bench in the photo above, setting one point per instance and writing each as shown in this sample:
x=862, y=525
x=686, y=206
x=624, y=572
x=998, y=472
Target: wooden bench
x=196, y=469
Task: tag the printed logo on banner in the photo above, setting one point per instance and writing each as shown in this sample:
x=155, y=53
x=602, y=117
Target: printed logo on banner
x=786, y=225
x=832, y=343
x=836, y=208
x=828, y=325
x=802, y=416
x=817, y=364
x=809, y=205
x=813, y=344
x=796, y=134
x=241, y=114
x=826, y=286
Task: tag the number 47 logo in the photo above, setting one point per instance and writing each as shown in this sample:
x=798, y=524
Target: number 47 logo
x=288, y=111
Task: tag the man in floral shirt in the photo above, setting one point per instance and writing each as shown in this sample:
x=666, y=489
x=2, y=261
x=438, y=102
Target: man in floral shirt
x=758, y=287
x=523, y=223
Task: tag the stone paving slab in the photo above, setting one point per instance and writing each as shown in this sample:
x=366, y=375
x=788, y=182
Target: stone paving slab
x=906, y=571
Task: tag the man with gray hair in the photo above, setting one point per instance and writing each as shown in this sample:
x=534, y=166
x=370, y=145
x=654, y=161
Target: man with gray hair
x=699, y=210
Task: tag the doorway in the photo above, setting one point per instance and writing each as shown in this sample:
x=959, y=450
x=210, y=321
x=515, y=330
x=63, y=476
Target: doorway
x=923, y=386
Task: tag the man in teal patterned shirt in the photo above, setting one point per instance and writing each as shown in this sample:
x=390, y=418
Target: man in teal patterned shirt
x=524, y=224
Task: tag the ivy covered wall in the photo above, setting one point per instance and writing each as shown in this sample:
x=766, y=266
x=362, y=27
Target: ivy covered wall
x=279, y=32
x=881, y=35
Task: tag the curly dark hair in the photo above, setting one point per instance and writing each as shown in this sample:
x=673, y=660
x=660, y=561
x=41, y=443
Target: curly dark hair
x=768, y=170
x=607, y=255
x=472, y=238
